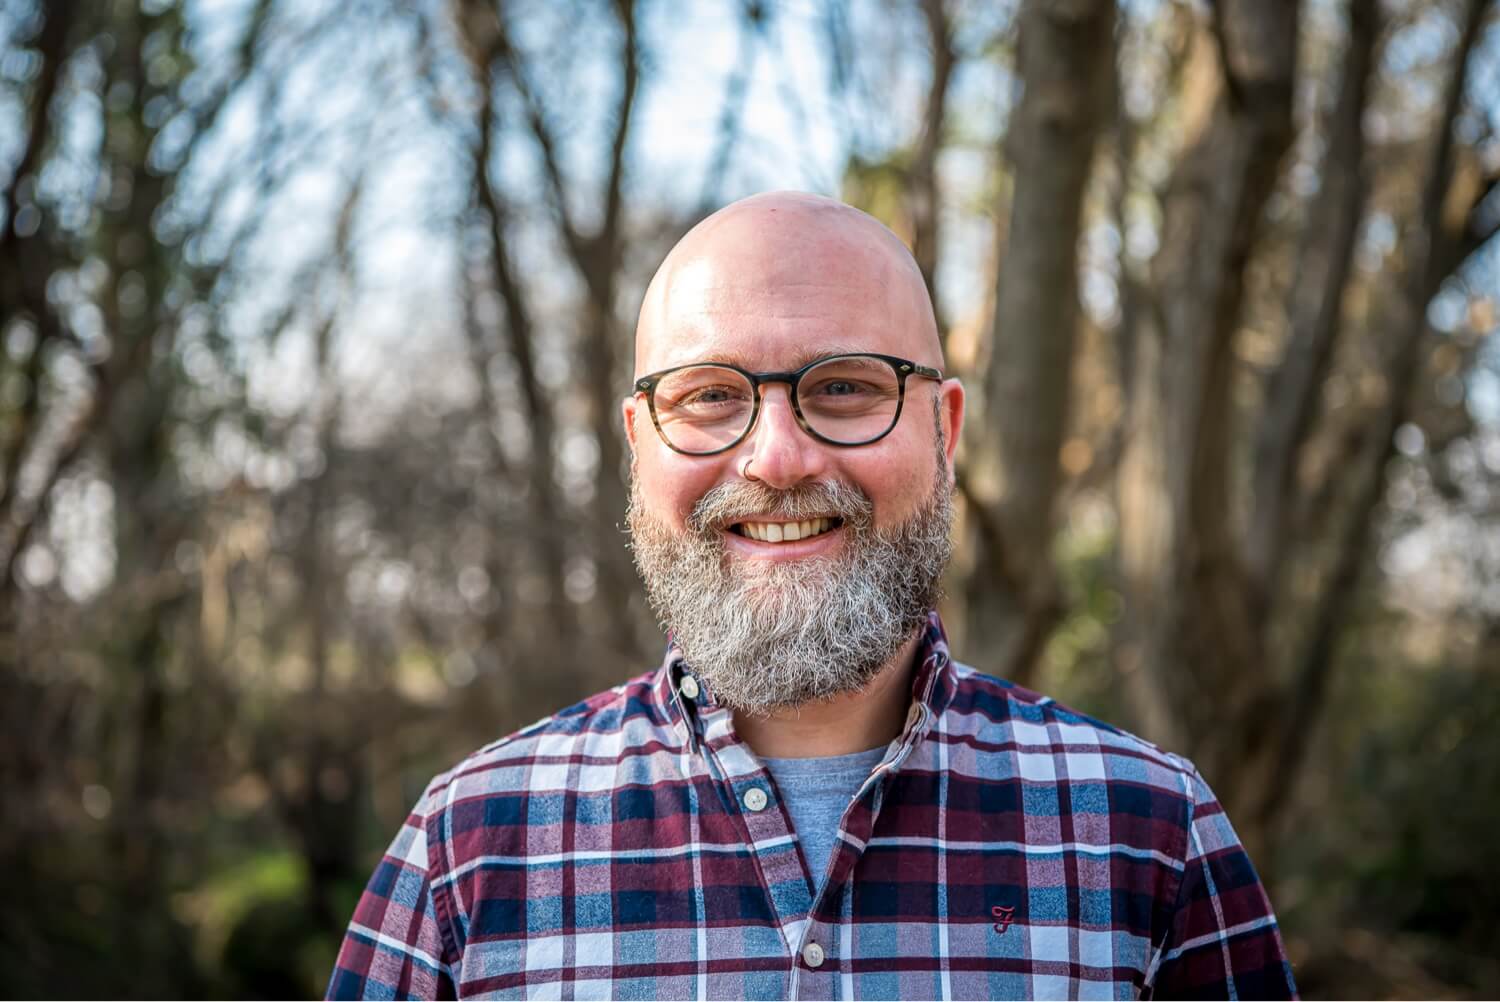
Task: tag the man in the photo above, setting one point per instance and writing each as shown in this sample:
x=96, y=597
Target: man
x=809, y=798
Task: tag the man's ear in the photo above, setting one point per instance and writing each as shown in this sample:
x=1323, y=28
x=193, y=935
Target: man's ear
x=627, y=413
x=951, y=415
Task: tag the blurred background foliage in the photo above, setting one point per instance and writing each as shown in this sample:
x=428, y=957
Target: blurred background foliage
x=314, y=318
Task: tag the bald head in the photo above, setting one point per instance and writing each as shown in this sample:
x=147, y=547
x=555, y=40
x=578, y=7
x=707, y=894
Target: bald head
x=786, y=271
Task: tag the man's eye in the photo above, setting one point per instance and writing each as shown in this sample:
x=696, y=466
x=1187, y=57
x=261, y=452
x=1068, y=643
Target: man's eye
x=841, y=388
x=708, y=395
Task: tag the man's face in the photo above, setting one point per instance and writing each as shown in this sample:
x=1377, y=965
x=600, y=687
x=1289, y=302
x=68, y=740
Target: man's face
x=773, y=290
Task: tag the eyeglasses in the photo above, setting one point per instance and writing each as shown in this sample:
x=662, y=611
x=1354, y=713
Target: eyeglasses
x=709, y=407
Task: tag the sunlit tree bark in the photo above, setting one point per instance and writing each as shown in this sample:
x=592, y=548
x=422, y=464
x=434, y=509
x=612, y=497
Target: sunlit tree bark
x=1066, y=62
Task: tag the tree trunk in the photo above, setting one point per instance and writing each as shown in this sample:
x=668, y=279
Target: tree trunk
x=1066, y=63
x=544, y=498
x=1436, y=247
x=922, y=195
x=1187, y=647
x=1317, y=294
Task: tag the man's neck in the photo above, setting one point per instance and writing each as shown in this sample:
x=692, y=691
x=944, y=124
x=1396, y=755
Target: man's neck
x=843, y=725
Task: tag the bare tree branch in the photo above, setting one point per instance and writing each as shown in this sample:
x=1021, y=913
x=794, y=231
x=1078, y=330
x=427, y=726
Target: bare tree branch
x=597, y=255
x=538, y=119
x=23, y=523
x=26, y=415
x=1185, y=588
x=1403, y=366
x=732, y=109
x=485, y=33
x=630, y=77
x=922, y=196
x=1291, y=393
x=519, y=331
x=25, y=260
x=51, y=45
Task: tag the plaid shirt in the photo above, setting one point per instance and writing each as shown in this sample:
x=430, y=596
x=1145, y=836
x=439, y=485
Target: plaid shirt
x=632, y=846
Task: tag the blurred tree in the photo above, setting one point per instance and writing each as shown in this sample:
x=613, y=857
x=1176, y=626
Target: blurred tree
x=1211, y=658
x=1012, y=473
x=97, y=293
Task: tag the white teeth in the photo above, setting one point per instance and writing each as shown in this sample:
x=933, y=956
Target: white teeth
x=777, y=532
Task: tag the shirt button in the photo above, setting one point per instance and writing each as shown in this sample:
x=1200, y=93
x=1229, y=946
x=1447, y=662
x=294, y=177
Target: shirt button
x=812, y=955
x=756, y=799
x=689, y=687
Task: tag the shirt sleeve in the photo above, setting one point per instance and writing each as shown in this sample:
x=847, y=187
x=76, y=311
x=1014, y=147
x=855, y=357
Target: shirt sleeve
x=1223, y=941
x=394, y=946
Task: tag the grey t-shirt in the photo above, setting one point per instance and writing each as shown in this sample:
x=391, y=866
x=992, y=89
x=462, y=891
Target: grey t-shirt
x=816, y=792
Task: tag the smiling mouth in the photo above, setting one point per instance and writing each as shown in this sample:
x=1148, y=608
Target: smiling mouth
x=785, y=532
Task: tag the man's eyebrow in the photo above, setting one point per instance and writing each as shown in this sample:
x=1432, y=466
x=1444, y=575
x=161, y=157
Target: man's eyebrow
x=804, y=356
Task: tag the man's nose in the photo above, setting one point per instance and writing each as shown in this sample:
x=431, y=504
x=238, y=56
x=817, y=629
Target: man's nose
x=782, y=455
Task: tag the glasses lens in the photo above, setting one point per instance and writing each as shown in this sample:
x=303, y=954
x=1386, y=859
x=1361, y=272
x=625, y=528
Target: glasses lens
x=850, y=400
x=703, y=408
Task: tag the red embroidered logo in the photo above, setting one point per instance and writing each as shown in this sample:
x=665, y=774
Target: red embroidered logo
x=1003, y=914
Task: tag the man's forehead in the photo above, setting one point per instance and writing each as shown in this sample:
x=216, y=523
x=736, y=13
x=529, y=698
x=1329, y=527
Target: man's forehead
x=782, y=277
x=763, y=319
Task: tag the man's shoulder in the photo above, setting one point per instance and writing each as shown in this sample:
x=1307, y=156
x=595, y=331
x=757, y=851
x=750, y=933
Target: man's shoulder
x=609, y=727
x=1031, y=723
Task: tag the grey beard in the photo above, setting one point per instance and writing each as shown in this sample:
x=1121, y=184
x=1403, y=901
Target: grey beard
x=775, y=635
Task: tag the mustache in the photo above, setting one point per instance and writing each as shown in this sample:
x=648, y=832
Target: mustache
x=733, y=502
